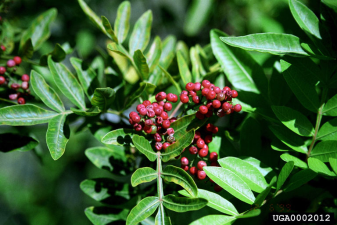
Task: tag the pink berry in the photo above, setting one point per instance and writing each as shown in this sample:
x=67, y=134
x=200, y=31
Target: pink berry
x=201, y=175
x=201, y=164
x=2, y=80
x=158, y=146
x=25, y=85
x=2, y=70
x=13, y=96
x=200, y=143
x=193, y=150
x=10, y=63
x=197, y=86
x=184, y=161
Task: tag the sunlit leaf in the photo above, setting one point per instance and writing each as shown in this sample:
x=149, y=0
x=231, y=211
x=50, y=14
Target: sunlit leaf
x=118, y=137
x=141, y=33
x=325, y=150
x=214, y=220
x=142, y=175
x=103, y=98
x=141, y=64
x=145, y=208
x=297, y=162
x=154, y=53
x=182, y=204
x=105, y=215
x=284, y=174
x=144, y=147
x=319, y=167
x=122, y=22
x=162, y=217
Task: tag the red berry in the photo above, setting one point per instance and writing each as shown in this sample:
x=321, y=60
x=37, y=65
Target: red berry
x=140, y=106
x=193, y=150
x=215, y=164
x=150, y=113
x=226, y=106
x=158, y=146
x=2, y=70
x=205, y=147
x=197, y=86
x=164, y=115
x=158, y=111
x=162, y=103
x=159, y=120
x=203, y=152
x=3, y=48
x=193, y=170
x=217, y=90
x=21, y=101
x=172, y=97
x=197, y=135
x=168, y=106
x=148, y=122
x=229, y=111
x=160, y=96
x=157, y=137
x=184, y=161
x=208, y=139
x=192, y=93
x=201, y=175
x=15, y=86
x=143, y=111
x=209, y=113
x=200, y=143
x=155, y=105
x=148, y=129
x=216, y=104
x=190, y=86
x=205, y=83
x=209, y=127
x=165, y=145
x=166, y=124
x=234, y=94
x=25, y=85
x=2, y=80
x=173, y=119
x=237, y=108
x=130, y=120
x=136, y=118
x=217, y=188
x=146, y=103
x=184, y=92
x=213, y=156
x=13, y=96
x=215, y=130
x=138, y=127
x=184, y=167
x=170, y=131
x=205, y=91
x=220, y=96
x=226, y=89
x=203, y=109
x=201, y=164
x=211, y=95
x=184, y=98
x=10, y=63
x=211, y=87
x=199, y=115
x=196, y=99
x=17, y=60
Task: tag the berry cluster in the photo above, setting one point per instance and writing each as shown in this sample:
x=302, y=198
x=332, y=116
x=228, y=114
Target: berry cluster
x=216, y=100
x=6, y=79
x=153, y=119
x=199, y=147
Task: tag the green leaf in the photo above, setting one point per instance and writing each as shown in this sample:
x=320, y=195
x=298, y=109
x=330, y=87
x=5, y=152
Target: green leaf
x=185, y=124
x=122, y=22
x=231, y=182
x=184, y=71
x=27, y=49
x=103, y=215
x=57, y=136
x=297, y=162
x=58, y=55
x=102, y=157
x=141, y=64
x=333, y=164
x=182, y=204
x=180, y=177
x=95, y=19
x=142, y=175
x=136, y=94
x=67, y=83
x=319, y=167
x=141, y=33
x=162, y=217
x=214, y=220
x=250, y=138
x=45, y=92
x=330, y=108
x=215, y=201
x=294, y=120
x=240, y=68
x=290, y=139
x=277, y=44
x=15, y=142
x=93, y=111
x=119, y=50
x=284, y=174
x=299, y=75
x=118, y=137
x=170, y=78
x=263, y=195
x=168, y=51
x=142, y=210
x=299, y=178
x=265, y=170
x=250, y=213
x=154, y=53
x=86, y=77
x=103, y=98
x=331, y=3
x=305, y=18
x=324, y=150
x=144, y=147
x=108, y=29
x=175, y=149
x=183, y=49
x=328, y=132
x=25, y=115
x=38, y=31
x=248, y=173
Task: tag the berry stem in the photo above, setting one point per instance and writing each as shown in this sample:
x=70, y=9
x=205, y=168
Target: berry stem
x=318, y=121
x=9, y=101
x=176, y=109
x=160, y=189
